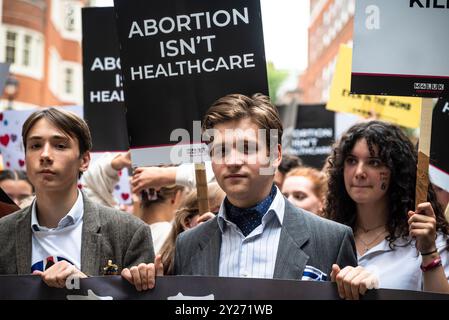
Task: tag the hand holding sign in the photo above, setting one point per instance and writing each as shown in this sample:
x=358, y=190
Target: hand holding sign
x=353, y=282
x=422, y=226
x=57, y=274
x=144, y=275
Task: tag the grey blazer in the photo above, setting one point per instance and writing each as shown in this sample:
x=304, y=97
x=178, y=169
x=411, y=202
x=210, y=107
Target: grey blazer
x=306, y=239
x=107, y=234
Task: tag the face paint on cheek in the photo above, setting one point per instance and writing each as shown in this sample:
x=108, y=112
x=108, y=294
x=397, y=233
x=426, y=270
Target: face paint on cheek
x=384, y=180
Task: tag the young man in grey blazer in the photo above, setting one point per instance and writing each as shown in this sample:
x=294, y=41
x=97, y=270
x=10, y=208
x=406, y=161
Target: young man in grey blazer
x=63, y=234
x=257, y=232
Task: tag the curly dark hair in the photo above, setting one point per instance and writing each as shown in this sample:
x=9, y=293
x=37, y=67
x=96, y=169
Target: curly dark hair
x=398, y=154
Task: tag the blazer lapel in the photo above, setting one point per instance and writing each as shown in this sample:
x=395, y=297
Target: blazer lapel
x=90, y=239
x=291, y=259
x=24, y=242
x=206, y=261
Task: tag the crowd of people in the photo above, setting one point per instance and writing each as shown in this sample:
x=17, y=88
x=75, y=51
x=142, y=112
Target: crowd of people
x=353, y=222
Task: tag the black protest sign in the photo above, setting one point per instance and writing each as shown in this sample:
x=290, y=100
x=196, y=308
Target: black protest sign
x=314, y=133
x=183, y=288
x=178, y=57
x=439, y=151
x=104, y=110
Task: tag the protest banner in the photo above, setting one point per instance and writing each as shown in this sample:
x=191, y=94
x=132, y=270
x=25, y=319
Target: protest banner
x=403, y=111
x=103, y=92
x=177, y=58
x=191, y=288
x=406, y=58
x=313, y=135
x=403, y=59
x=439, y=151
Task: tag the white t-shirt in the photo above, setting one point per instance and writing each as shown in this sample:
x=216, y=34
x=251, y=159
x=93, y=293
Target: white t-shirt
x=159, y=233
x=60, y=243
x=400, y=268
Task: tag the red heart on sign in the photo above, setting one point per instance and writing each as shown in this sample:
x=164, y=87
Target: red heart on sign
x=1, y=116
x=4, y=140
x=21, y=162
x=8, y=164
x=80, y=186
x=125, y=196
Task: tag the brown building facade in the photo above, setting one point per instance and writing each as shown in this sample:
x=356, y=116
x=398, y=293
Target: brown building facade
x=41, y=39
x=331, y=24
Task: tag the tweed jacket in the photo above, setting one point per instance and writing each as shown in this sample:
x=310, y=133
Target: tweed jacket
x=107, y=234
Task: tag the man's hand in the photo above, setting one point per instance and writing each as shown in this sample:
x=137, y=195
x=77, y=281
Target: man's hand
x=152, y=178
x=57, y=274
x=144, y=275
x=352, y=282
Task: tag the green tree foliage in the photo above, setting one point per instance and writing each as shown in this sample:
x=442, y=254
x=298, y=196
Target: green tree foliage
x=275, y=79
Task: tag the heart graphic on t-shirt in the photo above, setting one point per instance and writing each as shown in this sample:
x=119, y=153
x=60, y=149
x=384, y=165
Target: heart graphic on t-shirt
x=125, y=196
x=4, y=140
x=21, y=162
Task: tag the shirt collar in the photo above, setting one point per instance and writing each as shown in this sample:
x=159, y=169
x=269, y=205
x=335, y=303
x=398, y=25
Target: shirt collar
x=261, y=208
x=72, y=217
x=277, y=207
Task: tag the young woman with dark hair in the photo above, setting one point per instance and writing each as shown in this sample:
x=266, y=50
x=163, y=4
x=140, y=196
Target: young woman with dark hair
x=371, y=188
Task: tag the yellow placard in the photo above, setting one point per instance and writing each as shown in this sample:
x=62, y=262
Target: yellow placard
x=403, y=111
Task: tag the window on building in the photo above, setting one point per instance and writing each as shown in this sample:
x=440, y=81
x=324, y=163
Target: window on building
x=11, y=38
x=27, y=50
x=68, y=78
x=69, y=17
x=23, y=50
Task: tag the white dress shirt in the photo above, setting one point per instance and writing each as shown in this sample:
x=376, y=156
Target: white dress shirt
x=253, y=256
x=400, y=268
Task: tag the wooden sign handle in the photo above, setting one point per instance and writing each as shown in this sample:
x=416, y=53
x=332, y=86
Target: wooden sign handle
x=422, y=175
x=201, y=188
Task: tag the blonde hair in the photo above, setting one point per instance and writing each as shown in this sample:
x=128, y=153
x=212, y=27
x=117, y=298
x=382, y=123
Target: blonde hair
x=187, y=210
x=162, y=194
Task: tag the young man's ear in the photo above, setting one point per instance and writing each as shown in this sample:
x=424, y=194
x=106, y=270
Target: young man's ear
x=85, y=160
x=277, y=157
x=274, y=159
